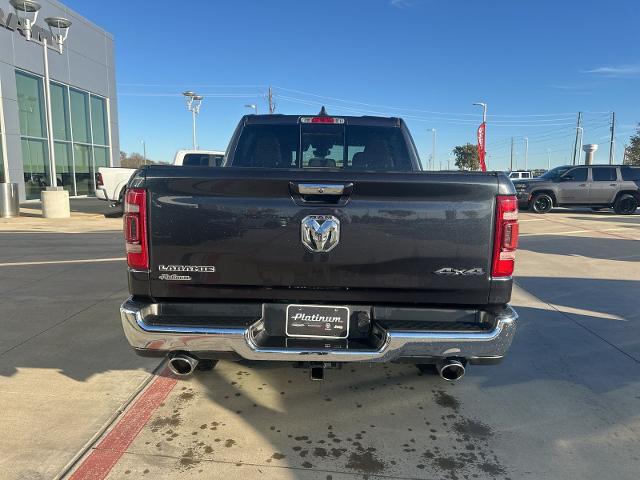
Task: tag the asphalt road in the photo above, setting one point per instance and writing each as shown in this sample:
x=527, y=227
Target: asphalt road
x=564, y=404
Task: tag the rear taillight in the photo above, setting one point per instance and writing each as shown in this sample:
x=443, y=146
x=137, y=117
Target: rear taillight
x=99, y=181
x=135, y=228
x=506, y=236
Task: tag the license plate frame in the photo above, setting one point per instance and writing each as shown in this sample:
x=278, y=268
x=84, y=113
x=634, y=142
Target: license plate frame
x=306, y=325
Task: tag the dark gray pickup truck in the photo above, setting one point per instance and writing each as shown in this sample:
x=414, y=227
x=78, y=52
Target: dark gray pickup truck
x=319, y=241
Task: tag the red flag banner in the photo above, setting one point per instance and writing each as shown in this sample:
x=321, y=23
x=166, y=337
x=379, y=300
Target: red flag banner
x=481, y=146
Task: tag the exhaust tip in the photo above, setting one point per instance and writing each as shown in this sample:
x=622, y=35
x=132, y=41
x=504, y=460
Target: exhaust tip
x=451, y=369
x=182, y=365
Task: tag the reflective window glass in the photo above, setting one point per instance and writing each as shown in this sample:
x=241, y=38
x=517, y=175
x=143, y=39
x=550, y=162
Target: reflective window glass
x=64, y=166
x=36, y=167
x=60, y=112
x=84, y=169
x=101, y=157
x=80, y=116
x=99, y=121
x=30, y=105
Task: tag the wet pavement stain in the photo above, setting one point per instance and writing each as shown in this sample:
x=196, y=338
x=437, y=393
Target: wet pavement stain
x=365, y=462
x=445, y=400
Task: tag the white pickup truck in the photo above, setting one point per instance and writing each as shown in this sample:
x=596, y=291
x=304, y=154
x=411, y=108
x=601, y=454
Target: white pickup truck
x=112, y=181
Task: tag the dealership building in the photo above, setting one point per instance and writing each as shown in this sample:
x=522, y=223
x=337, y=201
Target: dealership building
x=84, y=119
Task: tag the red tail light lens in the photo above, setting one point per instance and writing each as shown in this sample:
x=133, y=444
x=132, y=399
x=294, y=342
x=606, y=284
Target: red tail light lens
x=506, y=236
x=99, y=181
x=135, y=228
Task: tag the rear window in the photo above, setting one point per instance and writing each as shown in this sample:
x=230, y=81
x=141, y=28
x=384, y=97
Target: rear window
x=604, y=174
x=329, y=146
x=201, y=160
x=630, y=173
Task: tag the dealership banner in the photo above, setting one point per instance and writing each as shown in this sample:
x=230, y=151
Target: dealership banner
x=481, y=146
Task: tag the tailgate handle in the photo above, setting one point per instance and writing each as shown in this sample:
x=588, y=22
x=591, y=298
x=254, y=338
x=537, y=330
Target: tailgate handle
x=321, y=193
x=321, y=188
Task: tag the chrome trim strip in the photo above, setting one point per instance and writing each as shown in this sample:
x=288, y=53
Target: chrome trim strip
x=143, y=336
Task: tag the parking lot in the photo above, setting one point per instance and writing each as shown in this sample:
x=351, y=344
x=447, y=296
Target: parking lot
x=564, y=404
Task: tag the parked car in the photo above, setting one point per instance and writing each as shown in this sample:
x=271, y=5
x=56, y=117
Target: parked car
x=112, y=181
x=520, y=174
x=320, y=242
x=595, y=186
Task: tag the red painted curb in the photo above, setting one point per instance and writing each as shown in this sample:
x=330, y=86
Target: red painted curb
x=98, y=464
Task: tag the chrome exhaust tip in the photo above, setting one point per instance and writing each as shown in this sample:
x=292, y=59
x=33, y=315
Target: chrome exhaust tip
x=182, y=364
x=451, y=369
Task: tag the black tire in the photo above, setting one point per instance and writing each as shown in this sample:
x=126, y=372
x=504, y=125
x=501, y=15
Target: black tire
x=625, y=204
x=120, y=207
x=206, y=365
x=542, y=203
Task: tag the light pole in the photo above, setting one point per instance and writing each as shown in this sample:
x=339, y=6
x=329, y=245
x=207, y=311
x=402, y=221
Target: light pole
x=433, y=148
x=526, y=152
x=193, y=105
x=27, y=13
x=484, y=111
x=548, y=159
x=252, y=106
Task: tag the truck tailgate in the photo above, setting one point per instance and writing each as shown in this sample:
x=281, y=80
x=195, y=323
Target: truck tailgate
x=426, y=236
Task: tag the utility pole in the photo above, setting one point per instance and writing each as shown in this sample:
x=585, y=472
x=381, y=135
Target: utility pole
x=548, y=159
x=272, y=105
x=575, y=145
x=526, y=152
x=612, y=147
x=144, y=151
x=433, y=147
x=511, y=163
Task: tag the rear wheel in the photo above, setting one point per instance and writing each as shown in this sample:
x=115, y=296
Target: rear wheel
x=542, y=203
x=625, y=204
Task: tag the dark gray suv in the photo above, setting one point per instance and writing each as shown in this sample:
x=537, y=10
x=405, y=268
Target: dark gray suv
x=595, y=186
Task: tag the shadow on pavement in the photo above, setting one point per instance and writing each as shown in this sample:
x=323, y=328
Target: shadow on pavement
x=77, y=205
x=591, y=247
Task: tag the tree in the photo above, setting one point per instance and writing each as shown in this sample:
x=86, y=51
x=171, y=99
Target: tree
x=467, y=157
x=135, y=160
x=632, y=154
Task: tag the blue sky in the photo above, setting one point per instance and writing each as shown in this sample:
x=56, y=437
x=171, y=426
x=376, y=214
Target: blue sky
x=536, y=64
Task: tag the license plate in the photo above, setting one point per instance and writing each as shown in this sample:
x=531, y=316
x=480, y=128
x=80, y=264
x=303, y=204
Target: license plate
x=317, y=321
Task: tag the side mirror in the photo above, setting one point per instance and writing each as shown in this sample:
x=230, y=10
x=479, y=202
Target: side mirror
x=219, y=161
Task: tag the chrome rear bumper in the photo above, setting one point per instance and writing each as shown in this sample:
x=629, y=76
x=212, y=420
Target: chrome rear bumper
x=474, y=345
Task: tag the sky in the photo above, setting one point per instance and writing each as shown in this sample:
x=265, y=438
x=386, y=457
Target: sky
x=535, y=63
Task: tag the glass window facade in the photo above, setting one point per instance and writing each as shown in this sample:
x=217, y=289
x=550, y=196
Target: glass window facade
x=80, y=133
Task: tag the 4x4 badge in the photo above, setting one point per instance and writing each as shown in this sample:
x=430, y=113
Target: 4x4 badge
x=459, y=271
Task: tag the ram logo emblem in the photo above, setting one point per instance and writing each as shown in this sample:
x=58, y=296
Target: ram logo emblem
x=320, y=233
